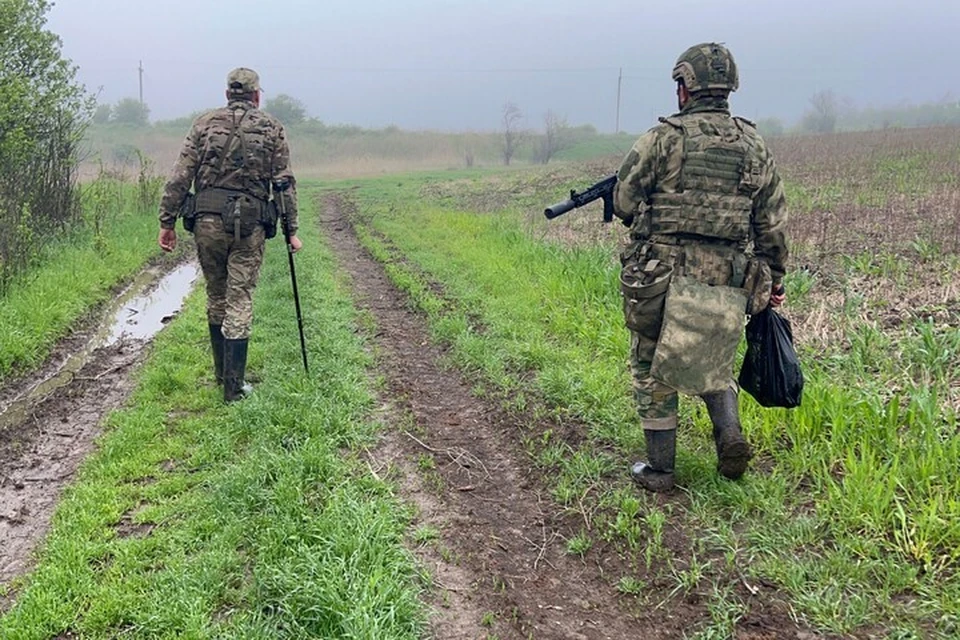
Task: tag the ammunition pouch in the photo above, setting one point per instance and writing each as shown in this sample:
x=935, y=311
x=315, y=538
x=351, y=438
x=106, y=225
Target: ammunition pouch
x=644, y=289
x=241, y=212
x=188, y=212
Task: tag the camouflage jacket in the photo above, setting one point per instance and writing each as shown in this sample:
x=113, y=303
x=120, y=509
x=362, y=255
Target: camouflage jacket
x=651, y=177
x=258, y=153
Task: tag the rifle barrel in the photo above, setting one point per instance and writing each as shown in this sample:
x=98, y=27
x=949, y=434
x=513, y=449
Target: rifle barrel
x=559, y=209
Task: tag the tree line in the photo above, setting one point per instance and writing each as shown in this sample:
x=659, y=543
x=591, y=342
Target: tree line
x=43, y=111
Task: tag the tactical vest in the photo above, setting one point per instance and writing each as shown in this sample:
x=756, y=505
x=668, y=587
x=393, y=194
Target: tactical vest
x=719, y=176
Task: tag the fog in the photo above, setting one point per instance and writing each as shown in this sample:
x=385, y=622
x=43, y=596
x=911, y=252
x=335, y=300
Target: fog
x=450, y=65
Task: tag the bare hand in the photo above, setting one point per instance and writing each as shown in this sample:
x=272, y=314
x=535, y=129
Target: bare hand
x=167, y=239
x=778, y=295
x=295, y=244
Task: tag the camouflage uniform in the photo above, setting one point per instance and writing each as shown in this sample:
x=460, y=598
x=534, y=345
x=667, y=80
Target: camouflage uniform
x=230, y=158
x=705, y=197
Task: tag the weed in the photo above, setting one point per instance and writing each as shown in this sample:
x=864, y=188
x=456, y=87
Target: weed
x=579, y=544
x=631, y=586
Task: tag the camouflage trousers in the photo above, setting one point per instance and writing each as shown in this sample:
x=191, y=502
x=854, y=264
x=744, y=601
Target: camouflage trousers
x=656, y=402
x=231, y=268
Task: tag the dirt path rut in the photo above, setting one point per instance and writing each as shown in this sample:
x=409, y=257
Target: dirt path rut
x=502, y=567
x=50, y=418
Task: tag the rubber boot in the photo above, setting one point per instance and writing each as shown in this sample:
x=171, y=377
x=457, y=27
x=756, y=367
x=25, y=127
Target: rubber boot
x=733, y=452
x=656, y=474
x=234, y=370
x=216, y=343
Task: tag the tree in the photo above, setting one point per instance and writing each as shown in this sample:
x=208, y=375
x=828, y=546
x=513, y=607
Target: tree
x=555, y=137
x=823, y=113
x=42, y=113
x=130, y=111
x=286, y=109
x=512, y=134
x=103, y=114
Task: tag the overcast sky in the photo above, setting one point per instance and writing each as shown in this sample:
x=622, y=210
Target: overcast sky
x=451, y=64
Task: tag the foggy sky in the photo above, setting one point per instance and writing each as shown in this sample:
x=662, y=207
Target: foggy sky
x=451, y=64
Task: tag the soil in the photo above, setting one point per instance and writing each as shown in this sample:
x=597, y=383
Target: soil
x=44, y=441
x=499, y=561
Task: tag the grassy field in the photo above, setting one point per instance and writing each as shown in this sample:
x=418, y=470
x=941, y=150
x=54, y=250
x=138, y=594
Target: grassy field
x=263, y=519
x=333, y=152
x=73, y=275
x=260, y=520
x=853, y=508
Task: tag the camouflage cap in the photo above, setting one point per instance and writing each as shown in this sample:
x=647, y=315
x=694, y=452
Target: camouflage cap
x=242, y=80
x=707, y=66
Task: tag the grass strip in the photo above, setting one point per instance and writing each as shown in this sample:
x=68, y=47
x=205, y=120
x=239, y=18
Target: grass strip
x=257, y=520
x=43, y=305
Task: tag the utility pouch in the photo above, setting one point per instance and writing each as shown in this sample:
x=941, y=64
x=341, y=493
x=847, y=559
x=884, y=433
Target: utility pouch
x=241, y=213
x=270, y=218
x=644, y=289
x=757, y=285
x=188, y=212
x=702, y=327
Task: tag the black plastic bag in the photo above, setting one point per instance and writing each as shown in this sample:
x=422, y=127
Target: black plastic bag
x=771, y=370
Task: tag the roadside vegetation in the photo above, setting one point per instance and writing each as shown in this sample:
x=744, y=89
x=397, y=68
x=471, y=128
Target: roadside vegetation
x=257, y=520
x=63, y=247
x=82, y=268
x=42, y=115
x=850, y=508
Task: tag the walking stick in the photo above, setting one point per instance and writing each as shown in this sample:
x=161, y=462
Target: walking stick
x=280, y=187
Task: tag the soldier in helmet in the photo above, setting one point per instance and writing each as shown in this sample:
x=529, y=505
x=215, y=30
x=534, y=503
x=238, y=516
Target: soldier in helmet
x=707, y=204
x=231, y=157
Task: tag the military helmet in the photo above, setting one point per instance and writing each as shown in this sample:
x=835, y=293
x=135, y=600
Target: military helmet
x=707, y=66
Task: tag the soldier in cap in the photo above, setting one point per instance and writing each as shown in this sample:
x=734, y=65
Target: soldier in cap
x=707, y=205
x=231, y=158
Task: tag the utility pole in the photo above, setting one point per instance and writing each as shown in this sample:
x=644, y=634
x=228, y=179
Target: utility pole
x=141, y=82
x=619, y=85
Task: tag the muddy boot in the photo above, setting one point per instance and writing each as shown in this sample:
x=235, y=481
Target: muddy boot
x=216, y=343
x=657, y=473
x=234, y=370
x=733, y=452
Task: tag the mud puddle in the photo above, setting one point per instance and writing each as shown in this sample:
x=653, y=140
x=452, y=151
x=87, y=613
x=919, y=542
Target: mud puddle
x=48, y=421
x=138, y=313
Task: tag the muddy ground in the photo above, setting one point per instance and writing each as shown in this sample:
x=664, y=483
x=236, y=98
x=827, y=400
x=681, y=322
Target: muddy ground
x=50, y=418
x=500, y=563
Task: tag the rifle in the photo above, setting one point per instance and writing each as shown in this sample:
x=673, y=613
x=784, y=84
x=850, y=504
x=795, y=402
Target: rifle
x=603, y=189
x=281, y=187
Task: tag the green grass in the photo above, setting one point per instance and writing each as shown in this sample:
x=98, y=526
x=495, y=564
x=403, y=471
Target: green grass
x=266, y=522
x=76, y=274
x=856, y=518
